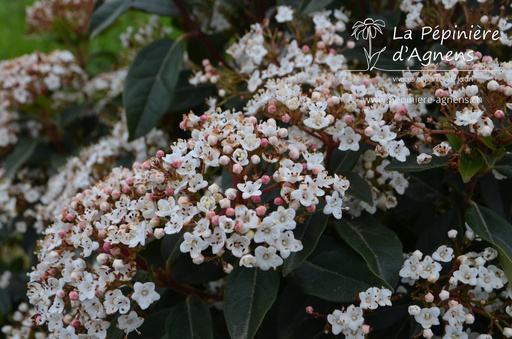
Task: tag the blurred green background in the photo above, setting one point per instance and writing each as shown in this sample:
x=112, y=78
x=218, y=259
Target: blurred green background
x=13, y=39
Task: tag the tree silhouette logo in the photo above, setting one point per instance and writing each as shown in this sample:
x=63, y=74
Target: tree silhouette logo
x=367, y=30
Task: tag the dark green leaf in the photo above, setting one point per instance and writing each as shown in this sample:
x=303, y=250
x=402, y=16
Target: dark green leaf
x=504, y=166
x=379, y=246
x=359, y=188
x=19, y=155
x=158, y=7
x=152, y=326
x=313, y=6
x=490, y=191
x=150, y=85
x=71, y=114
x=106, y=14
x=171, y=247
x=186, y=271
x=187, y=96
x=411, y=165
x=343, y=161
x=189, y=320
x=5, y=302
x=470, y=165
x=490, y=159
x=423, y=189
x=249, y=294
x=308, y=233
x=336, y=276
x=494, y=229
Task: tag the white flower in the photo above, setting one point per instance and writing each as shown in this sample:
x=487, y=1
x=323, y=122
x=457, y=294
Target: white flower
x=129, y=322
x=116, y=301
x=428, y=317
x=266, y=258
x=144, y=294
x=333, y=205
x=193, y=244
x=443, y=253
x=284, y=14
x=250, y=189
x=97, y=327
x=466, y=275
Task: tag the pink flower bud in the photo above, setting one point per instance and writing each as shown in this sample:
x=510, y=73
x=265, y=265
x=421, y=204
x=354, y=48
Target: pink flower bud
x=70, y=217
x=261, y=210
x=499, y=114
x=285, y=118
x=368, y=131
x=75, y=323
x=311, y=208
x=237, y=168
x=51, y=271
x=264, y=142
x=271, y=109
x=256, y=199
x=278, y=201
x=73, y=295
x=310, y=310
x=116, y=194
x=429, y=297
x=348, y=119
x=160, y=154
x=159, y=233
x=215, y=220
x=265, y=179
x=198, y=260
x=305, y=48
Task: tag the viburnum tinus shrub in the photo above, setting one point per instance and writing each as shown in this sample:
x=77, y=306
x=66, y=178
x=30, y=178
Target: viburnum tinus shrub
x=286, y=209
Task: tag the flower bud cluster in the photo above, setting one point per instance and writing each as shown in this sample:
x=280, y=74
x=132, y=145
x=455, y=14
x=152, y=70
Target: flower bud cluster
x=92, y=250
x=478, y=19
x=350, y=321
x=385, y=185
x=457, y=289
x=43, y=15
x=134, y=38
x=27, y=77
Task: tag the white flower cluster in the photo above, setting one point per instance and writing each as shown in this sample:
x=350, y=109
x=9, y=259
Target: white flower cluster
x=473, y=285
x=133, y=39
x=90, y=166
x=105, y=87
x=9, y=128
x=91, y=251
x=350, y=321
x=212, y=17
x=25, y=78
x=24, y=327
x=416, y=19
x=384, y=184
x=42, y=15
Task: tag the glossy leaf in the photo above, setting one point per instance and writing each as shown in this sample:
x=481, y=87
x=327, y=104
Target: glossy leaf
x=308, y=233
x=106, y=14
x=313, y=6
x=342, y=161
x=187, y=96
x=379, y=246
x=150, y=84
x=158, y=7
x=493, y=228
x=336, y=275
x=411, y=165
x=359, y=188
x=170, y=247
x=189, y=320
x=152, y=327
x=248, y=296
x=21, y=153
x=504, y=166
x=470, y=165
